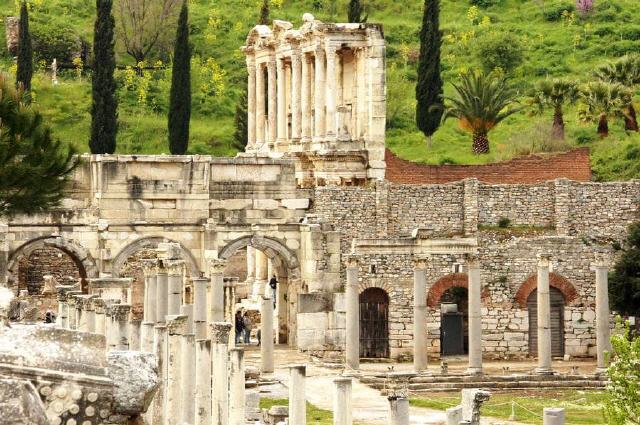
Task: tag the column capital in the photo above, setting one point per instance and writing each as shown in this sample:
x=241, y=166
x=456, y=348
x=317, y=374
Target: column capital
x=251, y=61
x=472, y=260
x=120, y=311
x=544, y=259
x=352, y=261
x=299, y=367
x=420, y=261
x=64, y=292
x=220, y=332
x=99, y=305
x=149, y=267
x=217, y=265
x=177, y=325
x=174, y=267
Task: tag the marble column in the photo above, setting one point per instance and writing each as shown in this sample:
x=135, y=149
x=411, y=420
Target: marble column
x=251, y=265
x=217, y=289
x=544, y=316
x=187, y=310
x=176, y=328
x=188, y=378
x=260, y=104
x=80, y=324
x=553, y=416
x=203, y=382
x=251, y=103
x=121, y=323
x=175, y=272
x=296, y=96
x=320, y=81
x=398, y=410
x=62, y=320
x=603, y=331
x=282, y=120
x=135, y=343
x=262, y=276
x=475, y=316
x=160, y=349
x=220, y=368
x=200, y=307
x=306, y=100
x=90, y=315
x=342, y=401
x=273, y=104
x=99, y=308
x=297, y=395
x=352, y=315
x=162, y=293
x=420, y=337
x=237, y=397
x=266, y=335
x=330, y=95
x=150, y=305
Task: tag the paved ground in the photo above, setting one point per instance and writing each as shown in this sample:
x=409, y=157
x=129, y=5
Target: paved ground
x=369, y=407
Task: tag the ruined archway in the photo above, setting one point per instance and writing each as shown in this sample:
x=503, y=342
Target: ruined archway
x=149, y=243
x=272, y=247
x=555, y=281
x=81, y=258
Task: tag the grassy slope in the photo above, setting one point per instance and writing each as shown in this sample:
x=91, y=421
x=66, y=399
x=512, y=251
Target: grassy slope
x=555, y=49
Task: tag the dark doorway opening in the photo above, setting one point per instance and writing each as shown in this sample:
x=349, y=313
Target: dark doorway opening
x=374, y=323
x=454, y=322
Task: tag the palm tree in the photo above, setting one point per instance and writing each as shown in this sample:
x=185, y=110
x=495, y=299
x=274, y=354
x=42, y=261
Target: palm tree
x=625, y=71
x=554, y=94
x=603, y=101
x=482, y=102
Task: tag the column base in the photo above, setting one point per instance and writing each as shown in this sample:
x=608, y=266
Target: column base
x=351, y=373
x=544, y=371
x=474, y=371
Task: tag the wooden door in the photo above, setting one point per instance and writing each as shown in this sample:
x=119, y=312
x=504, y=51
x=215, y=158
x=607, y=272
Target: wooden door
x=557, y=322
x=452, y=338
x=374, y=323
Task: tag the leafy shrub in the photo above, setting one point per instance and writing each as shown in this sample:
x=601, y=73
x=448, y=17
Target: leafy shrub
x=584, y=136
x=504, y=222
x=499, y=50
x=484, y=3
x=55, y=42
x=447, y=161
x=553, y=12
x=630, y=32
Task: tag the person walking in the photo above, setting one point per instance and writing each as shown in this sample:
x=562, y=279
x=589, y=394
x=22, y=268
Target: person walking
x=273, y=284
x=239, y=324
x=248, y=326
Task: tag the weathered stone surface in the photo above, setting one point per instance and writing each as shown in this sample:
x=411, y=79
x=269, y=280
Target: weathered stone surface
x=20, y=403
x=135, y=375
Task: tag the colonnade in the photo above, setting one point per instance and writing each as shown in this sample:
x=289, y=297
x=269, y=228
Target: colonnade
x=421, y=343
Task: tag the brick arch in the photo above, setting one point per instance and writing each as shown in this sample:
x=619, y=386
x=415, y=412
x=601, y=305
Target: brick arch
x=555, y=280
x=442, y=285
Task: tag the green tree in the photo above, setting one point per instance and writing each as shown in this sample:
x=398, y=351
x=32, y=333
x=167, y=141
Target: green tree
x=34, y=168
x=499, y=50
x=355, y=12
x=482, y=101
x=265, y=19
x=25, y=51
x=624, y=281
x=180, y=98
x=429, y=108
x=602, y=101
x=554, y=94
x=241, y=134
x=104, y=107
x=625, y=71
x=622, y=406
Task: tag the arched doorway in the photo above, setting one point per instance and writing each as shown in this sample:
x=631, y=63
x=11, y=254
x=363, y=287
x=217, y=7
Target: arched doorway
x=454, y=321
x=557, y=322
x=374, y=323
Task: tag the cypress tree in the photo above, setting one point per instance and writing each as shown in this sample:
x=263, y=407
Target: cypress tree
x=241, y=135
x=25, y=51
x=429, y=88
x=104, y=108
x=355, y=12
x=264, y=13
x=180, y=98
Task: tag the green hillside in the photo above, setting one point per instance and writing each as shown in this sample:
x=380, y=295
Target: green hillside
x=552, y=39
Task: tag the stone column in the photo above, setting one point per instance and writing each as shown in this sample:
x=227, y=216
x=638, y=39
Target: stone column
x=342, y=401
x=150, y=305
x=296, y=96
x=553, y=416
x=331, y=78
x=266, y=335
x=187, y=383
x=162, y=293
x=251, y=265
x=420, y=340
x=159, y=400
x=176, y=328
x=219, y=368
x=237, y=388
x=187, y=310
x=203, y=382
x=99, y=308
x=217, y=289
x=475, y=316
x=90, y=315
x=273, y=104
x=260, y=104
x=353, y=315
x=306, y=101
x=282, y=125
x=398, y=410
x=175, y=271
x=121, y=324
x=78, y=312
x=200, y=307
x=544, y=316
x=135, y=325
x=251, y=103
x=320, y=91
x=603, y=331
x=262, y=276
x=297, y=396
x=454, y=415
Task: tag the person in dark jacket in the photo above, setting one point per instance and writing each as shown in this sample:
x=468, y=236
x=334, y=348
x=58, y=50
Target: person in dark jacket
x=239, y=327
x=273, y=284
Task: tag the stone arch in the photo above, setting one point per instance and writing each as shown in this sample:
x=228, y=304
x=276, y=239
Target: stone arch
x=151, y=242
x=87, y=267
x=555, y=281
x=442, y=285
x=375, y=283
x=273, y=248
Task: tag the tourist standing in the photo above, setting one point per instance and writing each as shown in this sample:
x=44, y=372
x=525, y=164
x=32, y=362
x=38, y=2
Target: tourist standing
x=248, y=326
x=273, y=284
x=239, y=326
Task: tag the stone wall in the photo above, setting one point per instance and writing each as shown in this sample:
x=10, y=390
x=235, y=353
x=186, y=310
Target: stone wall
x=523, y=205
